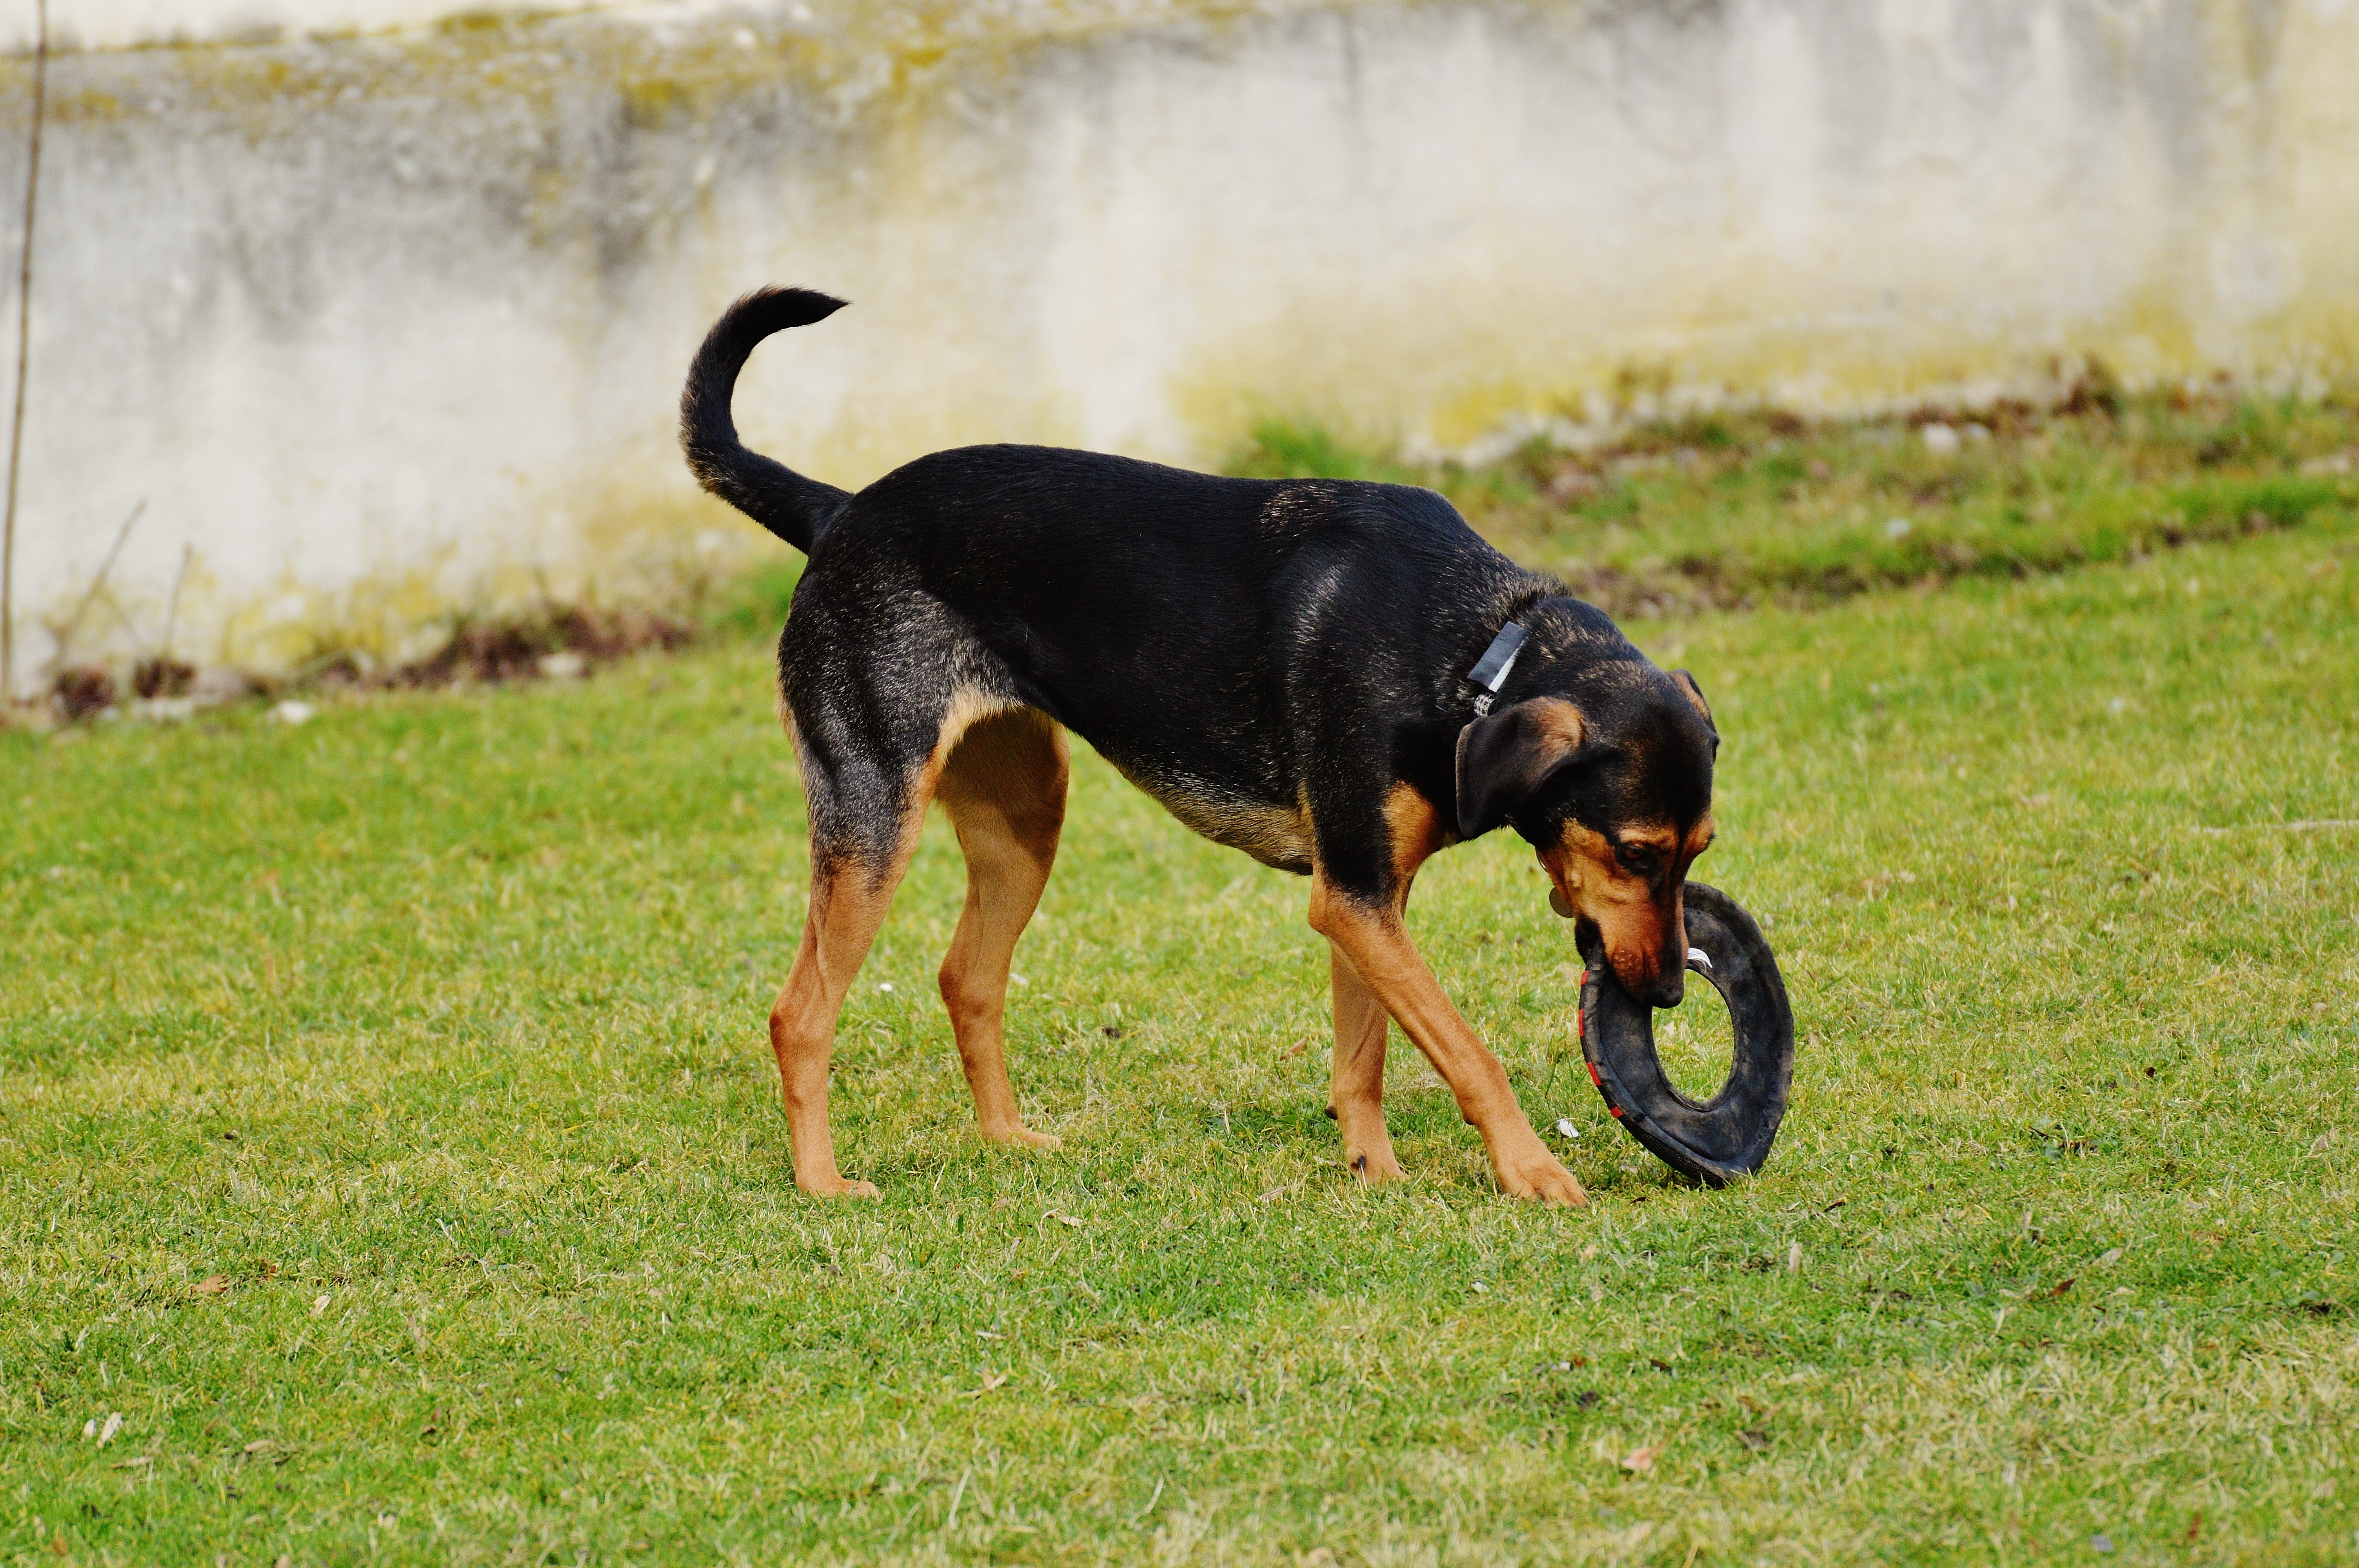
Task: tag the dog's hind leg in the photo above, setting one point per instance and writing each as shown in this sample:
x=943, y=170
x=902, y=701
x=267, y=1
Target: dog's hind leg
x=1004, y=788
x=1355, y=1096
x=867, y=803
x=848, y=899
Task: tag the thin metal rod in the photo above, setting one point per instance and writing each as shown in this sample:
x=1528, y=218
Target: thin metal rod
x=24, y=357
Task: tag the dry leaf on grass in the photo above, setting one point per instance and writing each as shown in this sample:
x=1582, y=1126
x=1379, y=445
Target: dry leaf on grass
x=210, y=1286
x=1639, y=1459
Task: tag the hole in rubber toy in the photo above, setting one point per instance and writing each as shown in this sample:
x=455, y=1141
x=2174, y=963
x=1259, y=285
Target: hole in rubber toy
x=1696, y=1041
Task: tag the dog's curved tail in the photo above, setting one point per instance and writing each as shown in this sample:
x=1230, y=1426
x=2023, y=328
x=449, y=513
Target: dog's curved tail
x=796, y=509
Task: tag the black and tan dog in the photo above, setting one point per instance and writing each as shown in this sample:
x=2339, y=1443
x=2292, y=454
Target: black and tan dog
x=1288, y=665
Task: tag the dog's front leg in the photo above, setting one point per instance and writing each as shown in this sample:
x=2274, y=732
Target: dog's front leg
x=1371, y=936
x=1355, y=1096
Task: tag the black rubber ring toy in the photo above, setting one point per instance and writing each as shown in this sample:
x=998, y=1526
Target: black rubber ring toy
x=1730, y=1135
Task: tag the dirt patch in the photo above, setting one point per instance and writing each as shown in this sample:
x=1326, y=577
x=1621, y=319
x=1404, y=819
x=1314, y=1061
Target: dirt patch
x=553, y=641
x=548, y=642
x=81, y=692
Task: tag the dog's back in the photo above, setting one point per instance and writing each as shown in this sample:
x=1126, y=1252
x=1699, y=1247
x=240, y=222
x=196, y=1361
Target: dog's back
x=1194, y=629
x=1188, y=626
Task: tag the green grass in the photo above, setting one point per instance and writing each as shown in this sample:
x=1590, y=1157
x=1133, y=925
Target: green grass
x=1728, y=509
x=432, y=1033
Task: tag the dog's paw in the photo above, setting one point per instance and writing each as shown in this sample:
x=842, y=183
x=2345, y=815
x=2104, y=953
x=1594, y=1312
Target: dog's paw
x=1375, y=1166
x=1022, y=1137
x=838, y=1188
x=1538, y=1175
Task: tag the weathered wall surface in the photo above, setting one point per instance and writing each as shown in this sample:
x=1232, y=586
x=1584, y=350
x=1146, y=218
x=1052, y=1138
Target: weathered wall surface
x=382, y=323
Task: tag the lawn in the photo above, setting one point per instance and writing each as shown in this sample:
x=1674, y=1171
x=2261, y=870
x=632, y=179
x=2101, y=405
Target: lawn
x=1736, y=508
x=391, y=1168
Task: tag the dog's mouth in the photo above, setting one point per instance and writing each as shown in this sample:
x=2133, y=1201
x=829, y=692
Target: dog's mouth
x=1591, y=940
x=1588, y=938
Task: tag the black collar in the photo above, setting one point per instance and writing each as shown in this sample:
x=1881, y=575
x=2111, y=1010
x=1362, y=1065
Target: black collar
x=1490, y=670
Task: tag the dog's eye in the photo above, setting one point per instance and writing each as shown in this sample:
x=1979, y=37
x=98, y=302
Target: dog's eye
x=1638, y=857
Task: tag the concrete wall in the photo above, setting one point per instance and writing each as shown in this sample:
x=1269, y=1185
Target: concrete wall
x=381, y=323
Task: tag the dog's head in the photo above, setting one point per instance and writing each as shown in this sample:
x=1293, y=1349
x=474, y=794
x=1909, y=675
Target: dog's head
x=1607, y=771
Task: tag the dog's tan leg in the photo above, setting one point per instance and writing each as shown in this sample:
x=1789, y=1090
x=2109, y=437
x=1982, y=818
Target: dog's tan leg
x=1372, y=938
x=1005, y=790
x=847, y=905
x=1355, y=1095
x=853, y=879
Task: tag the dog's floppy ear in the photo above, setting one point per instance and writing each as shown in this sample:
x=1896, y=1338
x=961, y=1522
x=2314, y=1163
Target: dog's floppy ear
x=1504, y=757
x=1694, y=693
